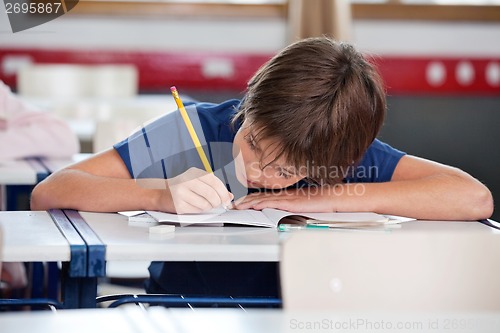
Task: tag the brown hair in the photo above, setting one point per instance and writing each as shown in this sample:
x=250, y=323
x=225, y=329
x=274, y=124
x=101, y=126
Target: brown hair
x=321, y=101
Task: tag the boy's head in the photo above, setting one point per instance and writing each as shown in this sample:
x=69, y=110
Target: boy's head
x=316, y=107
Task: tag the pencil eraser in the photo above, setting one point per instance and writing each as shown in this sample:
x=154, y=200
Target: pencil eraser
x=173, y=88
x=162, y=229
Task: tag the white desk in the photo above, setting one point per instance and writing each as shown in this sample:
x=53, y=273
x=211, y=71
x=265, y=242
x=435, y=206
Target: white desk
x=36, y=236
x=161, y=320
x=54, y=164
x=32, y=236
x=75, y=321
x=19, y=172
x=127, y=241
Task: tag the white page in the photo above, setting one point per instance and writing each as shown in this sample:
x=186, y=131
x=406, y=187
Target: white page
x=186, y=218
x=394, y=219
x=246, y=217
x=130, y=213
x=266, y=218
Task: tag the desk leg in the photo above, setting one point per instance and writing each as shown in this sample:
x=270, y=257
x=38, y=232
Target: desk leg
x=70, y=288
x=88, y=292
x=37, y=279
x=96, y=259
x=74, y=272
x=3, y=201
x=78, y=292
x=52, y=280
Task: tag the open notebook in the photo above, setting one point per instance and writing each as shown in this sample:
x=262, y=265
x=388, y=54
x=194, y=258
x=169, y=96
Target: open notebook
x=273, y=217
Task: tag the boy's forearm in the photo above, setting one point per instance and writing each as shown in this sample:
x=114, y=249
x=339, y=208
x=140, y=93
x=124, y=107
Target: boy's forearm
x=74, y=189
x=439, y=197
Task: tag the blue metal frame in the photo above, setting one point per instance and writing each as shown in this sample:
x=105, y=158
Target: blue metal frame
x=37, y=303
x=169, y=300
x=76, y=268
x=96, y=259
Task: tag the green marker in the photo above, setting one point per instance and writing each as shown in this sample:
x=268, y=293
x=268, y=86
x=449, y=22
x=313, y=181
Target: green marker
x=287, y=227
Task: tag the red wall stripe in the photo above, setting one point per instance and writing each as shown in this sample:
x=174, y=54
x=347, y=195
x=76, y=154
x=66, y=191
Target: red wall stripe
x=440, y=76
x=230, y=71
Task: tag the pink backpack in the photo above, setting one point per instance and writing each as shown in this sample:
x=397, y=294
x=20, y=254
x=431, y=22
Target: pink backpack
x=27, y=132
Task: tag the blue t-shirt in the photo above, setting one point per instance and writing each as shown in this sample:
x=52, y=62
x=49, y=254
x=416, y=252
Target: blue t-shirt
x=164, y=149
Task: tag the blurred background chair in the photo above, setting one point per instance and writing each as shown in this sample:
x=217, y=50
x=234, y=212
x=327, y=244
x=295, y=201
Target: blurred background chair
x=81, y=94
x=117, y=121
x=61, y=81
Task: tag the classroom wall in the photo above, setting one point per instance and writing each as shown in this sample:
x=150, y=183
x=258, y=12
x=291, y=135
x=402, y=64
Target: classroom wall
x=444, y=91
x=461, y=131
x=225, y=45
x=222, y=54
x=250, y=35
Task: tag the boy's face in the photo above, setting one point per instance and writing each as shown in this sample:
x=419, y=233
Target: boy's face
x=255, y=165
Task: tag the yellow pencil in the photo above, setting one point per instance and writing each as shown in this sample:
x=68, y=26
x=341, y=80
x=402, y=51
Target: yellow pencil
x=190, y=129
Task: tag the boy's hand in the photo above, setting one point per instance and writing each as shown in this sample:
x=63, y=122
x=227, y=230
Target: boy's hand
x=196, y=191
x=296, y=200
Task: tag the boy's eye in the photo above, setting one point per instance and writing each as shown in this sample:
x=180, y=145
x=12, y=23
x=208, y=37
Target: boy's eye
x=284, y=174
x=251, y=142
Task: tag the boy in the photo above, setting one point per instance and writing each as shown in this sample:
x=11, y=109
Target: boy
x=302, y=139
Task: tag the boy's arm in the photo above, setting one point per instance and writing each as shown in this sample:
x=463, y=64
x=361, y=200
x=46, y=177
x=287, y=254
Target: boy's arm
x=419, y=188
x=429, y=190
x=102, y=183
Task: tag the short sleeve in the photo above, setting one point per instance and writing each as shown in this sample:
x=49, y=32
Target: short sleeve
x=163, y=147
x=377, y=165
